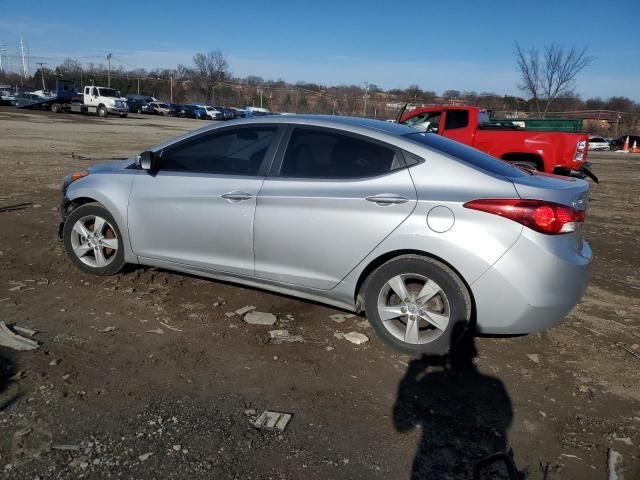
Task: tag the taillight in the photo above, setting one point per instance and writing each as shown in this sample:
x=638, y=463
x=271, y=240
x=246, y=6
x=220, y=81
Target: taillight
x=582, y=147
x=544, y=217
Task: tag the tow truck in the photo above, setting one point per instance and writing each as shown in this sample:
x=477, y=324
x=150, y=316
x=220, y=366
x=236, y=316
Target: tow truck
x=102, y=101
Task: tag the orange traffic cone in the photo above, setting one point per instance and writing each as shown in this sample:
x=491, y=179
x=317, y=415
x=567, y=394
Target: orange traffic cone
x=625, y=149
x=635, y=148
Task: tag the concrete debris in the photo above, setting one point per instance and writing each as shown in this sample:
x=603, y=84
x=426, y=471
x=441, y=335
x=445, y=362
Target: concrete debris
x=177, y=448
x=259, y=318
x=54, y=362
x=24, y=330
x=272, y=420
x=108, y=329
x=533, y=357
x=171, y=327
x=230, y=314
x=145, y=456
x=159, y=331
x=355, y=337
x=625, y=440
x=245, y=309
x=250, y=412
x=328, y=348
x=16, y=342
x=283, y=336
x=613, y=459
x=65, y=447
x=364, y=324
x=340, y=318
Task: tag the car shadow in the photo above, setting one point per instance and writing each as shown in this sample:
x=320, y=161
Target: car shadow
x=9, y=391
x=463, y=415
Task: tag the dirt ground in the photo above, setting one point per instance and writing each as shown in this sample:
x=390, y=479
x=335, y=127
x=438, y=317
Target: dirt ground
x=107, y=395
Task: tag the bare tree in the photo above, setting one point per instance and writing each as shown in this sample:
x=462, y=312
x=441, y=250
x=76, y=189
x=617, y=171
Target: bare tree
x=208, y=70
x=551, y=75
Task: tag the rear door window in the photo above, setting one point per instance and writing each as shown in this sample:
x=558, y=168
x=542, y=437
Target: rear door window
x=317, y=153
x=456, y=119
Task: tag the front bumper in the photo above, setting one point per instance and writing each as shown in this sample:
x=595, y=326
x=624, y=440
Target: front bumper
x=534, y=285
x=118, y=110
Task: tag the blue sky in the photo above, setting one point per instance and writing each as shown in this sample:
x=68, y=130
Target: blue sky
x=438, y=45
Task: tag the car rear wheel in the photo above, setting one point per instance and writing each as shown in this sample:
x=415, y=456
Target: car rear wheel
x=93, y=241
x=417, y=305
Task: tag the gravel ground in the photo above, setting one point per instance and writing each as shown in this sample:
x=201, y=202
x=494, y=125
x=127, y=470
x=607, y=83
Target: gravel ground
x=142, y=375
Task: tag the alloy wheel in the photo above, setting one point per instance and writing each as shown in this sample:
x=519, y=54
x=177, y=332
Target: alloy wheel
x=94, y=241
x=413, y=308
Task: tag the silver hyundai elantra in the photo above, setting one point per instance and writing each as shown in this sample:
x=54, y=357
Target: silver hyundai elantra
x=422, y=234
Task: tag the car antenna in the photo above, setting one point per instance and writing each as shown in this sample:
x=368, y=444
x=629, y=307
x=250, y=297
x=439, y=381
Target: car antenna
x=404, y=107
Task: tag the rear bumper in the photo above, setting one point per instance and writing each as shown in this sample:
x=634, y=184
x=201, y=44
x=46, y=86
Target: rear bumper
x=533, y=286
x=584, y=172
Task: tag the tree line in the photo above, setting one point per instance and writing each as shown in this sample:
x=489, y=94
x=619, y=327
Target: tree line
x=547, y=80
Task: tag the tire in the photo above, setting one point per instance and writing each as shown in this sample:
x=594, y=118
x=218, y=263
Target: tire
x=124, y=115
x=449, y=307
x=526, y=165
x=139, y=110
x=106, y=257
x=102, y=111
x=56, y=108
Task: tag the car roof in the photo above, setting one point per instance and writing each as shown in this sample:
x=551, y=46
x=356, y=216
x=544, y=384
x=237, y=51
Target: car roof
x=365, y=126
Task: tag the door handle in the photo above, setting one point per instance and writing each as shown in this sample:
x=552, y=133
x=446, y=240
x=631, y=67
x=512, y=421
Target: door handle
x=387, y=199
x=237, y=196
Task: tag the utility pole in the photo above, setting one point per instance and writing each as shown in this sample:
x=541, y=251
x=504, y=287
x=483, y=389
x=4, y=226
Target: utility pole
x=260, y=92
x=171, y=86
x=334, y=106
x=366, y=95
x=138, y=86
x=109, y=70
x=42, y=64
x=24, y=63
x=3, y=49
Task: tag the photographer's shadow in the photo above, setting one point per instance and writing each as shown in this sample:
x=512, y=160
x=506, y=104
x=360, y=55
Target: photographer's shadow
x=464, y=416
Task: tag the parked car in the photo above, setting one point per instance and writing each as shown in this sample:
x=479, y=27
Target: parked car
x=139, y=103
x=227, y=113
x=238, y=112
x=552, y=152
x=598, y=143
x=193, y=111
x=423, y=234
x=212, y=113
x=618, y=143
x=7, y=98
x=160, y=108
x=26, y=99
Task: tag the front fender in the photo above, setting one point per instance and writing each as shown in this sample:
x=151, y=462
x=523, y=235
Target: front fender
x=112, y=195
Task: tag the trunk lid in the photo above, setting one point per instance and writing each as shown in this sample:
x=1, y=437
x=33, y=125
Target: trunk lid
x=569, y=191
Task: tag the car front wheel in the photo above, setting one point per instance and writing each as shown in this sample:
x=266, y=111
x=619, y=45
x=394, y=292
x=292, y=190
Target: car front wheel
x=93, y=241
x=417, y=305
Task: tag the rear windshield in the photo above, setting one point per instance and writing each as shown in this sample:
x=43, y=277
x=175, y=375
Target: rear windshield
x=467, y=154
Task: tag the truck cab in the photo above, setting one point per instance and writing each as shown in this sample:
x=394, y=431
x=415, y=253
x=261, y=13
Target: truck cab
x=105, y=101
x=551, y=152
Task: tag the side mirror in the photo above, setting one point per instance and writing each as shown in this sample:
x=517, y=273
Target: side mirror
x=146, y=160
x=421, y=127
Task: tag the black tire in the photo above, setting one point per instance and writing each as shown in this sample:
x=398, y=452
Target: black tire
x=526, y=165
x=123, y=115
x=139, y=110
x=56, y=108
x=455, y=292
x=102, y=111
x=115, y=261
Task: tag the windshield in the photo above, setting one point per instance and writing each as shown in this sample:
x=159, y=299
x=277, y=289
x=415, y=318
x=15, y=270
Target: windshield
x=108, y=92
x=467, y=154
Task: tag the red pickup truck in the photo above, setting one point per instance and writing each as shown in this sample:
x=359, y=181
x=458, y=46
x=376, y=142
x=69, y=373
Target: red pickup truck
x=552, y=152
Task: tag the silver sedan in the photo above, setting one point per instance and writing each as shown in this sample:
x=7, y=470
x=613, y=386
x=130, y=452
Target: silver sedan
x=426, y=236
